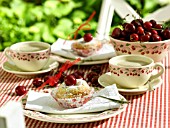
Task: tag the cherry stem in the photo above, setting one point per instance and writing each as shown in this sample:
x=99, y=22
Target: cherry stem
x=84, y=24
x=54, y=79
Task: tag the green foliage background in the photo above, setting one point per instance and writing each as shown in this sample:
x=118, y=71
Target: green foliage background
x=47, y=20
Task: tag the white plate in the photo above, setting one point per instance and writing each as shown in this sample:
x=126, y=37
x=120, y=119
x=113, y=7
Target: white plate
x=106, y=80
x=72, y=118
x=12, y=68
x=84, y=62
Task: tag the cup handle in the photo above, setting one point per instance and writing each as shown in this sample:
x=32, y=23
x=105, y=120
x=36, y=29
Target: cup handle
x=162, y=69
x=7, y=51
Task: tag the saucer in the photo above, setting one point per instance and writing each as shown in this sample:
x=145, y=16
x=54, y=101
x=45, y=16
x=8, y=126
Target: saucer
x=12, y=68
x=106, y=80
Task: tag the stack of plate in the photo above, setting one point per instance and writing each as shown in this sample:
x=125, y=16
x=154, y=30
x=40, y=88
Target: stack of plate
x=62, y=52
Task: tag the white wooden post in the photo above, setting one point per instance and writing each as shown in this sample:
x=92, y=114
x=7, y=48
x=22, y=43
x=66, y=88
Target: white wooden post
x=105, y=19
x=11, y=115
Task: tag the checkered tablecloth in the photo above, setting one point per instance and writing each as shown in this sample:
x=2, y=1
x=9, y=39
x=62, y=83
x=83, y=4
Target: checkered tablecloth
x=149, y=110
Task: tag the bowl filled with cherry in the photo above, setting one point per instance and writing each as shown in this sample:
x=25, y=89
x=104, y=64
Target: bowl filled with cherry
x=140, y=37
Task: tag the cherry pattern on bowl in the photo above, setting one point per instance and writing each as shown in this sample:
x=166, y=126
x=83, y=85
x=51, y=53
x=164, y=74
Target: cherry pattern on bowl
x=156, y=50
x=131, y=71
x=28, y=57
x=131, y=48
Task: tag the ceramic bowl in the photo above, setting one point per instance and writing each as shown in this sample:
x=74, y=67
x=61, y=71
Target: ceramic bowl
x=29, y=56
x=134, y=71
x=155, y=50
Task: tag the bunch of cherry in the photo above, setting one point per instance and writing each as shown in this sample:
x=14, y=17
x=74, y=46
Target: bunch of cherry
x=138, y=30
x=91, y=78
x=70, y=79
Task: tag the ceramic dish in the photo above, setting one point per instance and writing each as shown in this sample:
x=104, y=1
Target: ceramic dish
x=106, y=80
x=12, y=68
x=84, y=62
x=72, y=118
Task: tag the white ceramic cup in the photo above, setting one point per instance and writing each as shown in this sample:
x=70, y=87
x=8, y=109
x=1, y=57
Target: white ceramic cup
x=30, y=55
x=132, y=71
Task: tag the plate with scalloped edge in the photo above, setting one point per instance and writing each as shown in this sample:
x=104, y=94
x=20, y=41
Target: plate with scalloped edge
x=72, y=118
x=106, y=80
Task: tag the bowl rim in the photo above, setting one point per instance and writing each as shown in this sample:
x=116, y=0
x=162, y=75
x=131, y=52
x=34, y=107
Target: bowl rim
x=148, y=60
x=138, y=42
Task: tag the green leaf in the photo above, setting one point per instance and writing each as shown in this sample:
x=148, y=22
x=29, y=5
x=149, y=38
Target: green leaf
x=18, y=7
x=140, y=50
x=155, y=47
x=37, y=12
x=79, y=13
x=66, y=22
x=6, y=12
x=62, y=32
x=144, y=46
x=47, y=35
x=36, y=28
x=128, y=44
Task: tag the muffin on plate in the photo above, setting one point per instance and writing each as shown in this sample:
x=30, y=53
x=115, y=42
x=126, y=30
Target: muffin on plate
x=72, y=95
x=86, y=46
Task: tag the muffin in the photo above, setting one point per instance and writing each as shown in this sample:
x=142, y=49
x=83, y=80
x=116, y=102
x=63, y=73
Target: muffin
x=73, y=96
x=86, y=46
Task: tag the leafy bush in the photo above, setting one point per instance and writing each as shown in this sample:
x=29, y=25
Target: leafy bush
x=43, y=21
x=47, y=20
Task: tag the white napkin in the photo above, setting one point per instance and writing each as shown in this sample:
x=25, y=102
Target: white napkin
x=44, y=102
x=106, y=52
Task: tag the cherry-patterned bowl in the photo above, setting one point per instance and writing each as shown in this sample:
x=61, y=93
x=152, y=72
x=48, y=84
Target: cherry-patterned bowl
x=155, y=50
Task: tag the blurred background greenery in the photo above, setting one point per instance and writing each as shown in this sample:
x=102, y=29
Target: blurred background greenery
x=48, y=20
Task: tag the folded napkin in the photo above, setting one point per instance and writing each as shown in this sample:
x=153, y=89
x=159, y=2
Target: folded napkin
x=44, y=102
x=63, y=48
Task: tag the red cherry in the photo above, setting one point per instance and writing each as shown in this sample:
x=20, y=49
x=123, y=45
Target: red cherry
x=147, y=25
x=130, y=28
x=94, y=80
x=88, y=37
x=134, y=37
x=96, y=68
x=116, y=33
x=153, y=22
x=37, y=82
x=20, y=90
x=156, y=37
x=91, y=74
x=136, y=23
x=144, y=38
x=79, y=72
x=166, y=34
x=140, y=20
x=158, y=26
x=77, y=76
x=70, y=80
x=148, y=33
x=125, y=35
x=124, y=24
x=154, y=32
x=140, y=30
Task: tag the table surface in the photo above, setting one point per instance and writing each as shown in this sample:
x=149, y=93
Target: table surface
x=148, y=110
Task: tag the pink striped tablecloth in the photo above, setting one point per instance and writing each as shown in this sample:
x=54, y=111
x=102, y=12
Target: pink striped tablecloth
x=149, y=110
